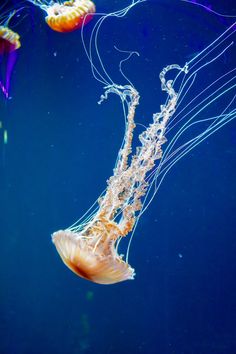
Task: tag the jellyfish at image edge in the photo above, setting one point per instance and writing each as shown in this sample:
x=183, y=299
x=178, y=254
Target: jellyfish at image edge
x=9, y=43
x=190, y=114
x=66, y=16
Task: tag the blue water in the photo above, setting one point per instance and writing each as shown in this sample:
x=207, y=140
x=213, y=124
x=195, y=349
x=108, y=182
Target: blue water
x=61, y=150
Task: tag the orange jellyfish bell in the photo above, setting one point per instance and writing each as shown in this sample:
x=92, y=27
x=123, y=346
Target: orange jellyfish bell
x=70, y=15
x=92, y=253
x=9, y=43
x=9, y=40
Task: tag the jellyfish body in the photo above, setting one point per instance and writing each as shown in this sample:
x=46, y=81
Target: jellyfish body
x=91, y=250
x=92, y=254
x=70, y=15
x=67, y=16
x=9, y=43
x=9, y=40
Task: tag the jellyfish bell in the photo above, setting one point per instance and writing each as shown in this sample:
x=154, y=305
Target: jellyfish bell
x=67, y=16
x=70, y=15
x=9, y=44
x=9, y=40
x=92, y=255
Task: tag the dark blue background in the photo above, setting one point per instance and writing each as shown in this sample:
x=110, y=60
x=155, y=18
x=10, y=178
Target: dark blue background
x=61, y=150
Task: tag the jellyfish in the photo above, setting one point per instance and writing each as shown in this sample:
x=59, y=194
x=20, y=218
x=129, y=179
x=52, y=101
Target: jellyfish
x=91, y=246
x=9, y=43
x=66, y=16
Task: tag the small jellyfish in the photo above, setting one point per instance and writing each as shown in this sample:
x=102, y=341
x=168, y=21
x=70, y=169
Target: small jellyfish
x=9, y=43
x=68, y=15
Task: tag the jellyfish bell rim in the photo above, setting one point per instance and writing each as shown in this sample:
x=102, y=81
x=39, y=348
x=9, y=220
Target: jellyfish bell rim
x=85, y=263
